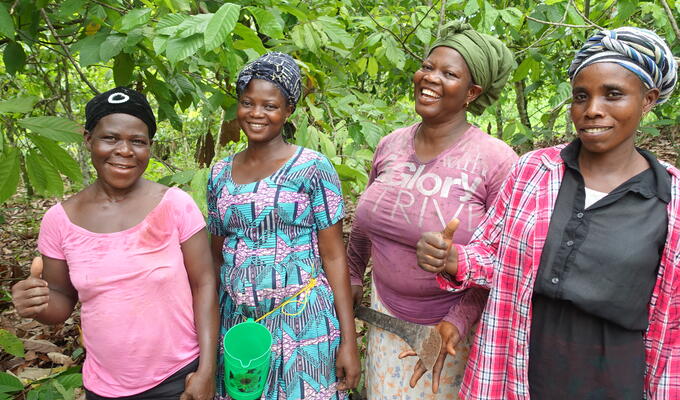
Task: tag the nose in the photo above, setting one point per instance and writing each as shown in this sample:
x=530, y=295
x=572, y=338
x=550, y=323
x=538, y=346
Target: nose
x=432, y=76
x=257, y=111
x=124, y=148
x=594, y=108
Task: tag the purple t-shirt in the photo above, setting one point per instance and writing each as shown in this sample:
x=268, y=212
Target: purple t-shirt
x=405, y=198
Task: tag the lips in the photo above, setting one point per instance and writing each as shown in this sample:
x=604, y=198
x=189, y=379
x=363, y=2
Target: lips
x=257, y=126
x=595, y=130
x=122, y=166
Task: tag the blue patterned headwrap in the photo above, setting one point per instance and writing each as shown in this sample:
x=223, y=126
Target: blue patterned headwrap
x=277, y=68
x=639, y=50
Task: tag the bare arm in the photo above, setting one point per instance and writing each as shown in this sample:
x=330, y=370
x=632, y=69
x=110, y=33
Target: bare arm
x=332, y=250
x=199, y=266
x=47, y=295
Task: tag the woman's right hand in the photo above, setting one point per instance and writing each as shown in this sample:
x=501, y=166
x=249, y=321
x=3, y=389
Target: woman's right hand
x=31, y=296
x=435, y=253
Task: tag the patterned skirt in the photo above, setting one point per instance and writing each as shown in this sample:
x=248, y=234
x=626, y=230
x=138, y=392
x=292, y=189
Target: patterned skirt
x=306, y=339
x=387, y=377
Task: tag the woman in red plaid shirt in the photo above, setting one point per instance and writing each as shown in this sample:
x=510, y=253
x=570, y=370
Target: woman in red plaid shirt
x=581, y=250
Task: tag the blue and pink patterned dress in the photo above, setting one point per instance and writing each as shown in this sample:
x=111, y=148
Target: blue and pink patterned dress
x=271, y=252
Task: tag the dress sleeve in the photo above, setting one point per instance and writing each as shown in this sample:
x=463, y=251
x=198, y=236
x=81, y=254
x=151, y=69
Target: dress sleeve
x=188, y=216
x=213, y=191
x=50, y=239
x=467, y=311
x=498, y=175
x=328, y=205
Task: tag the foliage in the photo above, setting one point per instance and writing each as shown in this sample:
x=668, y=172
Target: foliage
x=357, y=59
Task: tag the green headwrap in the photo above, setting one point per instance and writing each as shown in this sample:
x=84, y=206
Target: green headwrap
x=489, y=61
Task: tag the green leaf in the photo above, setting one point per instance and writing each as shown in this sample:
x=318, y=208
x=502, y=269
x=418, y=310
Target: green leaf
x=371, y=133
x=424, y=35
x=14, y=57
x=9, y=173
x=55, y=128
x=266, y=22
x=299, y=14
x=20, y=104
x=169, y=23
x=198, y=185
x=250, y=40
x=58, y=157
x=10, y=383
x=372, y=67
x=123, y=66
x=626, y=8
x=134, y=18
x=43, y=176
x=11, y=344
x=88, y=48
x=111, y=46
x=179, y=49
x=70, y=7
x=6, y=23
x=394, y=53
x=326, y=144
x=221, y=25
x=490, y=15
x=193, y=25
x=336, y=32
x=523, y=69
x=471, y=7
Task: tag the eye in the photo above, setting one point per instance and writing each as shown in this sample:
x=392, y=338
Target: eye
x=139, y=142
x=271, y=107
x=579, y=97
x=426, y=67
x=614, y=94
x=450, y=74
x=245, y=103
x=108, y=138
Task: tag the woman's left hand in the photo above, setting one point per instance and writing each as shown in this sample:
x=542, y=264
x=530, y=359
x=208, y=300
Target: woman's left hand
x=347, y=367
x=199, y=386
x=450, y=338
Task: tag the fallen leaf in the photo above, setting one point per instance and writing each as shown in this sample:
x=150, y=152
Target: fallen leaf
x=40, y=346
x=59, y=358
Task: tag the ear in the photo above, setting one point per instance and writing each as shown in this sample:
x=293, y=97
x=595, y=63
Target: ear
x=87, y=135
x=289, y=110
x=473, y=92
x=649, y=100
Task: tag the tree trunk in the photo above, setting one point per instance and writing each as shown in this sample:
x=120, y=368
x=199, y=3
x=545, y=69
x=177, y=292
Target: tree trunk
x=527, y=145
x=499, y=121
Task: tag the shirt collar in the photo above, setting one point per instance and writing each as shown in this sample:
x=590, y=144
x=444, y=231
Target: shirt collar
x=659, y=185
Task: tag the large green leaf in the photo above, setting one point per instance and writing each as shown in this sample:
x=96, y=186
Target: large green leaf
x=335, y=31
x=88, y=48
x=123, y=66
x=169, y=23
x=181, y=48
x=44, y=178
x=6, y=23
x=11, y=344
x=134, y=18
x=371, y=133
x=58, y=157
x=14, y=57
x=55, y=128
x=394, y=53
x=10, y=383
x=111, y=46
x=9, y=173
x=221, y=24
x=266, y=22
x=249, y=39
x=20, y=104
x=193, y=24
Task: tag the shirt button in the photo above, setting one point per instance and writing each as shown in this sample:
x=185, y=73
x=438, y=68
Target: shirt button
x=579, y=215
x=555, y=280
x=570, y=243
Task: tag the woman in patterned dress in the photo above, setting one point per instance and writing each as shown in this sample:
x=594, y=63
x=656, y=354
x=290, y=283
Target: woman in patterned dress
x=275, y=215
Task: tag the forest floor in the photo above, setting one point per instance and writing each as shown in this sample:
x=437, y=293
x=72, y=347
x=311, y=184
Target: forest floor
x=49, y=348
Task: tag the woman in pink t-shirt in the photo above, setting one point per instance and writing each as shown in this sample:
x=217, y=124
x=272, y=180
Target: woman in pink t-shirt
x=423, y=176
x=135, y=254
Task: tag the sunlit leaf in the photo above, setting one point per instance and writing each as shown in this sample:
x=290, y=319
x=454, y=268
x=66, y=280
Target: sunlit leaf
x=55, y=128
x=58, y=157
x=20, y=104
x=14, y=57
x=221, y=25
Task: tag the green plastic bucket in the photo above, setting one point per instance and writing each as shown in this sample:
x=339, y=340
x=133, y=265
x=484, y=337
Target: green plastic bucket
x=247, y=351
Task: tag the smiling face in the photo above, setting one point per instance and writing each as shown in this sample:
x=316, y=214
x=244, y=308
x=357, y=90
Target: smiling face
x=443, y=85
x=262, y=111
x=608, y=104
x=120, y=149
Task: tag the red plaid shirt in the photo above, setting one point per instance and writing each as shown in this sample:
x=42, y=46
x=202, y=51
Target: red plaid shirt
x=504, y=256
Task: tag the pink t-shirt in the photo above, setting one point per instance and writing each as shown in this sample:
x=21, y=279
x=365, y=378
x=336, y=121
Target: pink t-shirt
x=136, y=314
x=406, y=197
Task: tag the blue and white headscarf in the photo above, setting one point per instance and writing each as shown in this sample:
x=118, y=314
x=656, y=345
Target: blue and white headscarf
x=277, y=68
x=639, y=50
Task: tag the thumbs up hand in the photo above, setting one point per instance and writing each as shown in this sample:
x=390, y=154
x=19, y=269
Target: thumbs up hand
x=434, y=251
x=31, y=296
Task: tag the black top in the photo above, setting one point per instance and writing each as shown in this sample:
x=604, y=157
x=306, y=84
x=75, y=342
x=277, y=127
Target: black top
x=596, y=275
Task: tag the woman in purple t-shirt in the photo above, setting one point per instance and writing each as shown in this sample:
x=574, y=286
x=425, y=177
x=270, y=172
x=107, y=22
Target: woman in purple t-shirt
x=423, y=176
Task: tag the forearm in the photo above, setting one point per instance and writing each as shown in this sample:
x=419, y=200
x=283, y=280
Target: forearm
x=358, y=254
x=207, y=321
x=467, y=310
x=338, y=278
x=58, y=310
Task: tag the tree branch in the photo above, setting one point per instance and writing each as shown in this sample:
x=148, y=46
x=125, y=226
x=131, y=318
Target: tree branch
x=674, y=24
x=101, y=3
x=559, y=23
x=401, y=42
x=68, y=54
